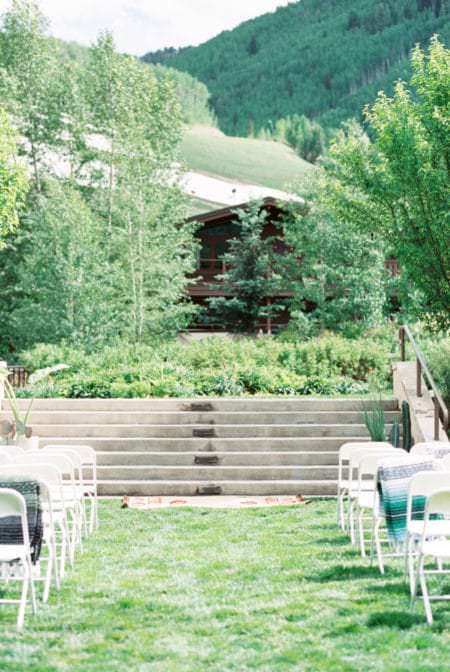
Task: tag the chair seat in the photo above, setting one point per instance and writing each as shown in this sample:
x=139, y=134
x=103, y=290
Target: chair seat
x=368, y=490
x=438, y=548
x=11, y=552
x=435, y=527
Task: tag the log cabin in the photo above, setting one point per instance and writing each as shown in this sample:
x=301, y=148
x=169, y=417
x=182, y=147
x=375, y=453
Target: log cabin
x=217, y=228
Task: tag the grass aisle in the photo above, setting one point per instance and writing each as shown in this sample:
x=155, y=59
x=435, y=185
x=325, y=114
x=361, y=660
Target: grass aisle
x=272, y=590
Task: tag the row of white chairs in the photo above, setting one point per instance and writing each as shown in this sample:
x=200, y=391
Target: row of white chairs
x=67, y=477
x=358, y=501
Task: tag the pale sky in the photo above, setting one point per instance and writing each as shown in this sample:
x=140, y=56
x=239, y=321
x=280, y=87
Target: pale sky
x=146, y=25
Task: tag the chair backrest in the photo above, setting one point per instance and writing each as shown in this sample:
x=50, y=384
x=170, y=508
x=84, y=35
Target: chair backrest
x=87, y=454
x=47, y=473
x=367, y=466
x=370, y=449
x=423, y=484
x=12, y=449
x=427, y=447
x=438, y=502
x=346, y=450
x=61, y=462
x=12, y=503
x=72, y=456
x=5, y=456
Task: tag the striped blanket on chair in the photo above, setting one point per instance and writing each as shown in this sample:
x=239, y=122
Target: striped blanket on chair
x=394, y=474
x=10, y=526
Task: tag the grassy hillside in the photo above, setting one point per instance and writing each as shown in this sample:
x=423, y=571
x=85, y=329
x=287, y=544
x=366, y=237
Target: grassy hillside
x=269, y=164
x=321, y=58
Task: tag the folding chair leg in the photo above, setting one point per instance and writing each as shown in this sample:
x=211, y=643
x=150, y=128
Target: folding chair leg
x=411, y=570
x=23, y=597
x=425, y=595
x=362, y=545
x=49, y=572
x=351, y=518
x=32, y=587
x=378, y=545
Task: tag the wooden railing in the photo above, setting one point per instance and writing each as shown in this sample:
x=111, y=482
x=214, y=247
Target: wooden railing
x=422, y=371
x=18, y=376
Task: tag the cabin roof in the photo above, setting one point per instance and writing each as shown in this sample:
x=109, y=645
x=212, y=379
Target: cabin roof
x=230, y=210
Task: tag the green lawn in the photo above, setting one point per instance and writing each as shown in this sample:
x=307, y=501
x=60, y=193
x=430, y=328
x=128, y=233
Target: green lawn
x=205, y=590
x=269, y=164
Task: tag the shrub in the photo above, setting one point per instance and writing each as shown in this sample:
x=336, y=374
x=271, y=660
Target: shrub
x=217, y=366
x=438, y=354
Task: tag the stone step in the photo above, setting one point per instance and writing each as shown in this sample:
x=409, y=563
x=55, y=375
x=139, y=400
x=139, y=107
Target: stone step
x=189, y=445
x=202, y=431
x=190, y=418
x=318, y=488
x=216, y=474
x=221, y=404
x=259, y=459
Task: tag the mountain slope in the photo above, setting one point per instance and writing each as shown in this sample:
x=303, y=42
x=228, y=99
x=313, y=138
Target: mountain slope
x=269, y=164
x=239, y=162
x=321, y=58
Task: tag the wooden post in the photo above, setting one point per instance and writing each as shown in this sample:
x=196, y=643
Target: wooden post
x=3, y=365
x=418, y=378
x=436, y=419
x=402, y=345
x=269, y=319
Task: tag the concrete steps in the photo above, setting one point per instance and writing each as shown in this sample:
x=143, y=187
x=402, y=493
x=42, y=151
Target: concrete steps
x=182, y=447
x=201, y=431
x=223, y=459
x=246, y=488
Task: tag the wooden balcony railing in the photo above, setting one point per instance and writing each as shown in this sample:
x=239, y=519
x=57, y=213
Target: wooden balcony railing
x=18, y=376
x=209, y=269
x=422, y=370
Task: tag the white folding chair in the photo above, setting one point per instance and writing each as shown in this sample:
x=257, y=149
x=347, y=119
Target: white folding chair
x=78, y=483
x=355, y=458
x=13, y=504
x=345, y=483
x=366, y=501
x=423, y=485
x=53, y=516
x=67, y=492
x=429, y=447
x=88, y=458
x=438, y=503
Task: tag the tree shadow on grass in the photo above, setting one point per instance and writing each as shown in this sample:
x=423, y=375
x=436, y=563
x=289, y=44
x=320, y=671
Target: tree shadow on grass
x=333, y=541
x=401, y=620
x=401, y=588
x=344, y=573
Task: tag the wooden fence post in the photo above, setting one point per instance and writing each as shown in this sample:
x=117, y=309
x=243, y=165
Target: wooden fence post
x=3, y=365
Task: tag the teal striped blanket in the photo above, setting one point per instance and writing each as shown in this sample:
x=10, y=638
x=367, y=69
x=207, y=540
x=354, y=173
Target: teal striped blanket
x=394, y=474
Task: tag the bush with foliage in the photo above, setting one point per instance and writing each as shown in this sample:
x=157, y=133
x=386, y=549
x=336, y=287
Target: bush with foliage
x=217, y=366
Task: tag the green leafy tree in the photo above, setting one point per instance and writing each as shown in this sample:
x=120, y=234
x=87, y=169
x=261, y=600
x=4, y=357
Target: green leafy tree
x=13, y=179
x=306, y=137
x=29, y=82
x=139, y=116
x=336, y=272
x=62, y=285
x=251, y=277
x=397, y=185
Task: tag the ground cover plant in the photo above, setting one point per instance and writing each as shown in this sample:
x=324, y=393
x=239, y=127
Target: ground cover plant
x=185, y=590
x=218, y=366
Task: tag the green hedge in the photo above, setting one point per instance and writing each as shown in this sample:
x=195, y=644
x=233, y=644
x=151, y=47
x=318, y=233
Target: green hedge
x=217, y=366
